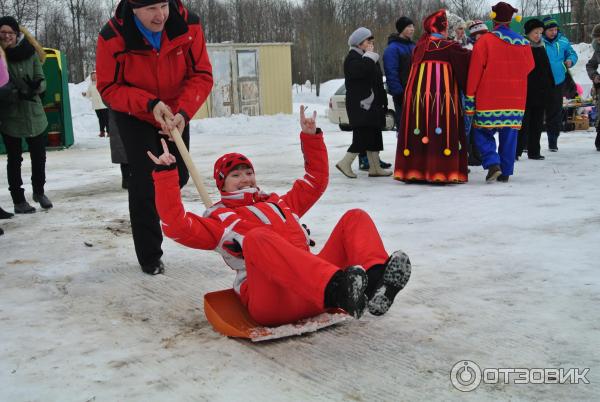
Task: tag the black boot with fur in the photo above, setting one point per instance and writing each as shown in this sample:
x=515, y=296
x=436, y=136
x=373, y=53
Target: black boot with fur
x=346, y=290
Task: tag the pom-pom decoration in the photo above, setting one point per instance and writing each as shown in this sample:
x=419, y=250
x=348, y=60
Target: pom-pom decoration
x=417, y=131
x=438, y=131
x=425, y=140
x=447, y=152
x=406, y=152
x=518, y=18
x=492, y=15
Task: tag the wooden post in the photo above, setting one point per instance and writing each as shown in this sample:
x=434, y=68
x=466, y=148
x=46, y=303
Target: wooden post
x=189, y=163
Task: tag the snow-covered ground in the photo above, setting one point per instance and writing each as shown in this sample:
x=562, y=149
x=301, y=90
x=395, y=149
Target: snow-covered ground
x=505, y=275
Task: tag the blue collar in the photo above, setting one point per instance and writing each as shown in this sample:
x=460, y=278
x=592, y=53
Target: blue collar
x=437, y=35
x=152, y=37
x=509, y=36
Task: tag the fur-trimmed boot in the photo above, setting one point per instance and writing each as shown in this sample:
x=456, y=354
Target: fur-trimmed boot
x=375, y=169
x=345, y=165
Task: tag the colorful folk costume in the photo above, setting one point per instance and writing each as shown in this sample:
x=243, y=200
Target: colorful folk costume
x=497, y=91
x=431, y=135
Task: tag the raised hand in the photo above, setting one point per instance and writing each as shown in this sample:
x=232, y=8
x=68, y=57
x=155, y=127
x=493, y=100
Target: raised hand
x=309, y=125
x=166, y=158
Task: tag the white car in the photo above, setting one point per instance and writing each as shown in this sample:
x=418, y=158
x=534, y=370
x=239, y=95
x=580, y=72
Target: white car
x=337, y=110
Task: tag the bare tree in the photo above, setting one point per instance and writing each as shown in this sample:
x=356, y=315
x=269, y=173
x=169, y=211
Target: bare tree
x=468, y=9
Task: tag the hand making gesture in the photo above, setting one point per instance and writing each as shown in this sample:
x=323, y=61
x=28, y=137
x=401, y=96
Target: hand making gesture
x=309, y=125
x=166, y=158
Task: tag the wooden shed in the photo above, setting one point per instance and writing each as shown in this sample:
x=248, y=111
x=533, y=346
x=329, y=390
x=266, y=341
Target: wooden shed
x=250, y=78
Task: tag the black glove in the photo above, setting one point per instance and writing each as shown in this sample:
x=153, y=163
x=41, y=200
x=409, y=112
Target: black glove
x=33, y=84
x=27, y=93
x=9, y=93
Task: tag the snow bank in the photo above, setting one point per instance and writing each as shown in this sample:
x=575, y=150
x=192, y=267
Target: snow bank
x=584, y=53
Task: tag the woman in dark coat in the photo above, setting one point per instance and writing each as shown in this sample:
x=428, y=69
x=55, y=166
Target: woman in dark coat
x=366, y=103
x=539, y=85
x=24, y=118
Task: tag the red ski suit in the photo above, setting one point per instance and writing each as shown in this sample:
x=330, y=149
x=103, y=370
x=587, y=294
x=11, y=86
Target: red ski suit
x=259, y=235
x=132, y=76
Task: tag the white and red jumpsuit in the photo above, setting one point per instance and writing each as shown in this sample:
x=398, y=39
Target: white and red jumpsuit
x=260, y=236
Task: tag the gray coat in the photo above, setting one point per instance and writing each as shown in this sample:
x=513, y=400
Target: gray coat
x=592, y=70
x=117, y=150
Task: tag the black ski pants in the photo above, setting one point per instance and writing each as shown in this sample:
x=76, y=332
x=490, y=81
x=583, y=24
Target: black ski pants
x=139, y=137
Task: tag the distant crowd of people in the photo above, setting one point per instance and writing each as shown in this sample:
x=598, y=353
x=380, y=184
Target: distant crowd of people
x=452, y=93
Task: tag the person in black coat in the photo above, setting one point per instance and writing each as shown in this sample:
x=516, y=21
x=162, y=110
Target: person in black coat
x=539, y=84
x=366, y=103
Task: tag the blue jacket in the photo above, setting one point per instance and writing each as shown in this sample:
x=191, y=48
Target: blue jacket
x=559, y=50
x=397, y=59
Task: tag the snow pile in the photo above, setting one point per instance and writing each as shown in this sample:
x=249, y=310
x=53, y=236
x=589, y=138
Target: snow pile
x=584, y=53
x=306, y=95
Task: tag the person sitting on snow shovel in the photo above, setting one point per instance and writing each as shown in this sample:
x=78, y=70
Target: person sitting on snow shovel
x=259, y=235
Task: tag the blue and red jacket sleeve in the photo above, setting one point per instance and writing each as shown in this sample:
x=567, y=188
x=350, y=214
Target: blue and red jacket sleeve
x=184, y=227
x=307, y=190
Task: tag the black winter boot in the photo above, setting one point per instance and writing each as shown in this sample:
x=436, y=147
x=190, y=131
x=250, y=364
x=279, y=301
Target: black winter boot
x=493, y=173
x=43, y=200
x=24, y=208
x=395, y=277
x=154, y=268
x=5, y=214
x=346, y=290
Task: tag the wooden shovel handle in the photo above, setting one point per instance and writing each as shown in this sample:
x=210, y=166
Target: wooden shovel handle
x=189, y=163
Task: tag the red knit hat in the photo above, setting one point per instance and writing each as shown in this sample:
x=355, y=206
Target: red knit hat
x=436, y=22
x=225, y=164
x=502, y=13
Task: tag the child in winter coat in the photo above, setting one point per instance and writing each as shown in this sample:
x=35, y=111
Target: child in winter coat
x=259, y=235
x=99, y=106
x=561, y=57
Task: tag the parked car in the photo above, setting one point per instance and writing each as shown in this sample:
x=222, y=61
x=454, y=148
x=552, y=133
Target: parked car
x=337, y=110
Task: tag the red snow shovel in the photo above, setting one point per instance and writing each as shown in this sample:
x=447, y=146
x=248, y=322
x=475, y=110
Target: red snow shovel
x=223, y=308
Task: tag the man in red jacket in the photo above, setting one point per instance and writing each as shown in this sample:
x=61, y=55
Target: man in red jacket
x=496, y=92
x=259, y=235
x=153, y=71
